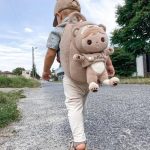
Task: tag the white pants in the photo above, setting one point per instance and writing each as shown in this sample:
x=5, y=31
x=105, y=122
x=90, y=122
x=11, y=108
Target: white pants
x=76, y=95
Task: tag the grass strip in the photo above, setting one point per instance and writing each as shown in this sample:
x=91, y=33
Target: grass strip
x=17, y=82
x=135, y=80
x=8, y=107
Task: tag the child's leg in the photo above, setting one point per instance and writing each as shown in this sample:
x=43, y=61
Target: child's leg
x=75, y=98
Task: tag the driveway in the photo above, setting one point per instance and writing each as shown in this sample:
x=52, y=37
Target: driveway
x=117, y=118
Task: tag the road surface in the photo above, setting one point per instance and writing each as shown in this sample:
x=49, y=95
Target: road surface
x=117, y=118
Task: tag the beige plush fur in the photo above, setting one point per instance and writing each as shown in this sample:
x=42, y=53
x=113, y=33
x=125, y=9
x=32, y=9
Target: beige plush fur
x=84, y=52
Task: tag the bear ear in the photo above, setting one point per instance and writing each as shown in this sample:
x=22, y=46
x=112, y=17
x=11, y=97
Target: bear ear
x=75, y=31
x=104, y=27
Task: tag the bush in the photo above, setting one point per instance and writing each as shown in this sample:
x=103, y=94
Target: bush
x=8, y=107
x=124, y=63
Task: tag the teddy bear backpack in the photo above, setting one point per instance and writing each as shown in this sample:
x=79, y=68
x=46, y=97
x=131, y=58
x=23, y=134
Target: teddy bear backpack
x=67, y=48
x=84, y=52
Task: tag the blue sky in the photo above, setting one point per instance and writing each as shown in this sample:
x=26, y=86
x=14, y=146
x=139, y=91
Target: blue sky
x=26, y=23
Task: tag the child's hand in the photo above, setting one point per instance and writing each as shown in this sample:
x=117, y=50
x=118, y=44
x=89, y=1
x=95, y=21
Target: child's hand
x=46, y=75
x=111, y=70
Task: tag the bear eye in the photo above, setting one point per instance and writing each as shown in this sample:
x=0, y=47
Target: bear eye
x=103, y=39
x=89, y=42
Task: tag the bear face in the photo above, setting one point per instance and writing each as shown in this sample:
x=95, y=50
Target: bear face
x=90, y=39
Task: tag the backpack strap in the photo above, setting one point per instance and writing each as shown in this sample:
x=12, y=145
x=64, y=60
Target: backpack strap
x=73, y=18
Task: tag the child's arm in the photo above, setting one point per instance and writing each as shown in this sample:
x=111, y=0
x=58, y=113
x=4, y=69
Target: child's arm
x=110, y=68
x=49, y=59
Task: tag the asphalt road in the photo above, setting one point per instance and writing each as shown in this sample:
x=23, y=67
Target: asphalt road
x=117, y=118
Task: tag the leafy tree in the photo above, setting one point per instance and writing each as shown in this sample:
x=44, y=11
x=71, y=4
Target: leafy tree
x=34, y=73
x=134, y=32
x=18, y=71
x=124, y=62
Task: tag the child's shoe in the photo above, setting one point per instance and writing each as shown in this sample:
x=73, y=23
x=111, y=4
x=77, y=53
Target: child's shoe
x=72, y=147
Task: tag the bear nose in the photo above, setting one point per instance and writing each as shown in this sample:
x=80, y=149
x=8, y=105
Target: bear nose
x=89, y=42
x=103, y=39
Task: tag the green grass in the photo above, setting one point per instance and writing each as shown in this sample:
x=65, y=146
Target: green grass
x=17, y=82
x=135, y=80
x=8, y=107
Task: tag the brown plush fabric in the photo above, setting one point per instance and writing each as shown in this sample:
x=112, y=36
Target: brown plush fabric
x=68, y=49
x=84, y=51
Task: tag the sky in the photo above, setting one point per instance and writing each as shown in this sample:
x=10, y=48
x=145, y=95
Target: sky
x=27, y=23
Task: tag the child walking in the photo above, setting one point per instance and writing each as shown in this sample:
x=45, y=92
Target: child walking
x=75, y=93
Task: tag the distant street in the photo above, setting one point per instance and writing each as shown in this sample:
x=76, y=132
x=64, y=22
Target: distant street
x=117, y=118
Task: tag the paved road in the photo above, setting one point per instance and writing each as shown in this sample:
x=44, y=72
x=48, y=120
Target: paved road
x=116, y=119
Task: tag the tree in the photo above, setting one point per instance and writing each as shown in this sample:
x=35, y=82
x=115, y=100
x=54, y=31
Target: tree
x=18, y=71
x=123, y=62
x=134, y=32
x=34, y=73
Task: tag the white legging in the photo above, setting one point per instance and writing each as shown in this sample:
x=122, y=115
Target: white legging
x=76, y=94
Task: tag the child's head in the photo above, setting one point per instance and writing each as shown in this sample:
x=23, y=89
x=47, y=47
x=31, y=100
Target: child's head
x=63, y=8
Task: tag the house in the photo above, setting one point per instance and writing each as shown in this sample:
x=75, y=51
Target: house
x=6, y=73
x=143, y=65
x=60, y=73
x=26, y=74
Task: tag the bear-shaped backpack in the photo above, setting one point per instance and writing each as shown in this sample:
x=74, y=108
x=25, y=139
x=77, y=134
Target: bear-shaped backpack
x=84, y=52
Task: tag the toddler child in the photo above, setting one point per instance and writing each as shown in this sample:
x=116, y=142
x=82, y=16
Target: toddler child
x=75, y=93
